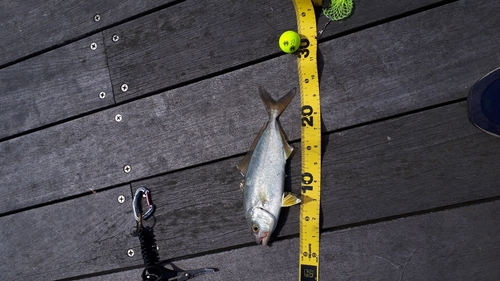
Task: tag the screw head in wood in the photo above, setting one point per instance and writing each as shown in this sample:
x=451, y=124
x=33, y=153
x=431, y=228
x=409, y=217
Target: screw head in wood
x=121, y=199
x=102, y=95
x=116, y=38
x=124, y=87
x=130, y=253
x=93, y=46
x=127, y=169
x=97, y=17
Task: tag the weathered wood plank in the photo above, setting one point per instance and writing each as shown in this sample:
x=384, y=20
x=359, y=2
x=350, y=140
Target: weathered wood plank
x=428, y=58
x=80, y=236
x=457, y=244
x=29, y=26
x=430, y=161
x=187, y=41
x=422, y=161
x=180, y=128
x=217, y=118
x=401, y=166
x=376, y=13
x=59, y=84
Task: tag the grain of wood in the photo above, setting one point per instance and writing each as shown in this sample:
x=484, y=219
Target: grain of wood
x=83, y=235
x=409, y=63
x=430, y=162
x=365, y=178
x=29, y=27
x=456, y=244
x=218, y=118
x=415, y=164
x=180, y=128
x=190, y=41
x=57, y=85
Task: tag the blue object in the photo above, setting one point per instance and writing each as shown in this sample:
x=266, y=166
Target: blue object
x=484, y=103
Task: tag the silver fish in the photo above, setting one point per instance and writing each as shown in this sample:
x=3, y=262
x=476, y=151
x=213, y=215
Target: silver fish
x=263, y=169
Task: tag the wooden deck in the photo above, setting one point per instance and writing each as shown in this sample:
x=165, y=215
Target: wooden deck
x=169, y=89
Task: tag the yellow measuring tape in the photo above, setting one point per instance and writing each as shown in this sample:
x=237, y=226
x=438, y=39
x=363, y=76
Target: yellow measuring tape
x=310, y=141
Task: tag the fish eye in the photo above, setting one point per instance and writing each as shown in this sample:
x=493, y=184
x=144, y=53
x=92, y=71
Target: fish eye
x=255, y=228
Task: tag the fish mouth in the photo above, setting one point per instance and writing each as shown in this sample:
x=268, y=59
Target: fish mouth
x=263, y=238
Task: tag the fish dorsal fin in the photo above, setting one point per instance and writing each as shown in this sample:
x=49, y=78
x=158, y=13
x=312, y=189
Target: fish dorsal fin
x=243, y=165
x=288, y=148
x=275, y=108
x=289, y=199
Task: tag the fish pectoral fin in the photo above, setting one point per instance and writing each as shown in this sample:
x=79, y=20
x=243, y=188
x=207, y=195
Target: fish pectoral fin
x=289, y=199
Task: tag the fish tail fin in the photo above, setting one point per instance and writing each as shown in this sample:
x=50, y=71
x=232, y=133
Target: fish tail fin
x=275, y=108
